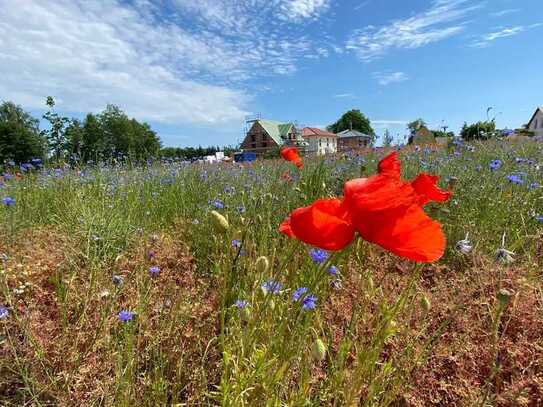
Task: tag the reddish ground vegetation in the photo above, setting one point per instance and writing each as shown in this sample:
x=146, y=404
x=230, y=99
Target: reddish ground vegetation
x=458, y=369
x=70, y=348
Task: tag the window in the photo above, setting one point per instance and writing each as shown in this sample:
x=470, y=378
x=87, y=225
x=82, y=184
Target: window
x=264, y=144
x=253, y=138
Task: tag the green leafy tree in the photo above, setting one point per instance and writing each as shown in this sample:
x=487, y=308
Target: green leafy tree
x=112, y=134
x=20, y=138
x=441, y=133
x=56, y=135
x=482, y=130
x=355, y=120
x=387, y=139
x=415, y=125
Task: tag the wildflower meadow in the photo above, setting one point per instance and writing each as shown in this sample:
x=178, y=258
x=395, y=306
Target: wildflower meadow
x=344, y=280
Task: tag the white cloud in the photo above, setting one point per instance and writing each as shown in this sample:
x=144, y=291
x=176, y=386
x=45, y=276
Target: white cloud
x=442, y=20
x=386, y=78
x=304, y=9
x=486, y=39
x=189, y=66
x=505, y=12
x=344, y=96
x=387, y=124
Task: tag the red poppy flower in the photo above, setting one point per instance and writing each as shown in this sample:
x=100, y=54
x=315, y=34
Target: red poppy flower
x=291, y=154
x=383, y=209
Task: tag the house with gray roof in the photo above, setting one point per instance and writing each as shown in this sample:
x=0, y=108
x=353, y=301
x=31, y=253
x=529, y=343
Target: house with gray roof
x=352, y=139
x=266, y=135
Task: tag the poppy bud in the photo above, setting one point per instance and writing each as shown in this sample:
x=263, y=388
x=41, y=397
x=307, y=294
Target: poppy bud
x=245, y=314
x=262, y=264
x=371, y=285
x=504, y=296
x=219, y=222
x=452, y=182
x=318, y=350
x=425, y=303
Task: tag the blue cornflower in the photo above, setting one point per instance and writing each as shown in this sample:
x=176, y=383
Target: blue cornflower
x=333, y=270
x=8, y=201
x=515, y=179
x=478, y=168
x=318, y=255
x=495, y=164
x=299, y=293
x=309, y=303
x=125, y=316
x=154, y=270
x=218, y=204
x=240, y=209
x=236, y=243
x=4, y=313
x=240, y=304
x=539, y=218
x=533, y=185
x=272, y=287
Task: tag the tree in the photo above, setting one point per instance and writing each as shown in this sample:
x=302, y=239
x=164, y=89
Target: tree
x=441, y=133
x=387, y=139
x=355, y=120
x=20, y=138
x=482, y=130
x=415, y=125
x=56, y=134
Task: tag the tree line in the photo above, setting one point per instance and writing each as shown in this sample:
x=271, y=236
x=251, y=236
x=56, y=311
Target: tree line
x=108, y=135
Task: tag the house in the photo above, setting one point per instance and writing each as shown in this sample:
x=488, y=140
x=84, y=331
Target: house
x=352, y=139
x=422, y=136
x=319, y=141
x=535, y=125
x=265, y=135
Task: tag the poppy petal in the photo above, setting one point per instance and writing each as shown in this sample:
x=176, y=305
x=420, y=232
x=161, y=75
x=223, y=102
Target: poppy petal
x=390, y=165
x=291, y=154
x=406, y=232
x=324, y=224
x=378, y=192
x=426, y=188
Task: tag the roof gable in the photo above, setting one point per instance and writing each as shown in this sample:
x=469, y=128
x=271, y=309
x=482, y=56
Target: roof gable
x=539, y=109
x=274, y=129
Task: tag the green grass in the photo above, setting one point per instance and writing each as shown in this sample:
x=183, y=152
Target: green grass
x=70, y=231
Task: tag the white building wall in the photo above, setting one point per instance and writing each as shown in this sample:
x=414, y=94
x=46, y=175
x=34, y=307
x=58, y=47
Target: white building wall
x=322, y=145
x=537, y=124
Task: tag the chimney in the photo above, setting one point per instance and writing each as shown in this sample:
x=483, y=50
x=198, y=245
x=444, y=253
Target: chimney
x=351, y=125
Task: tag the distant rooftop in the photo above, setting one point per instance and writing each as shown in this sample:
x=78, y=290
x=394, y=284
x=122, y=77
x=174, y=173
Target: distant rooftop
x=315, y=132
x=352, y=133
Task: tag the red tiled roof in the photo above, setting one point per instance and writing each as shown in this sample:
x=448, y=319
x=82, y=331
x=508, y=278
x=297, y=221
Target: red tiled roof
x=314, y=132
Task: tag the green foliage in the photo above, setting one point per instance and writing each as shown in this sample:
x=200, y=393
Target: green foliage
x=482, y=130
x=415, y=125
x=352, y=119
x=441, y=133
x=112, y=134
x=387, y=139
x=56, y=134
x=20, y=139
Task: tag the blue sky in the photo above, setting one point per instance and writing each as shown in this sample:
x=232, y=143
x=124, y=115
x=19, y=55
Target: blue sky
x=194, y=69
